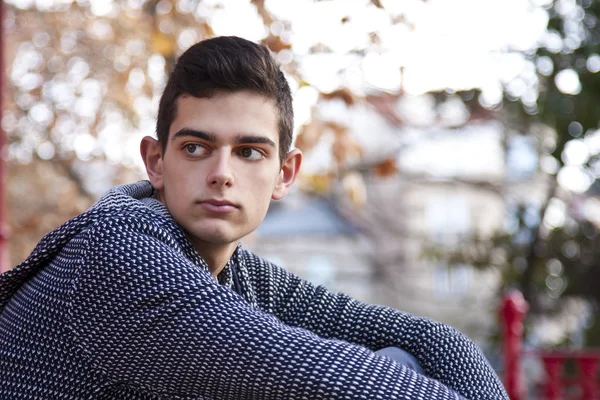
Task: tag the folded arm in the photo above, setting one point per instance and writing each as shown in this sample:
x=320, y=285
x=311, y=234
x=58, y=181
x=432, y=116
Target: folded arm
x=444, y=353
x=150, y=320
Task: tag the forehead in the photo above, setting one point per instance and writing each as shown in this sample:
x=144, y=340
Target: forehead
x=227, y=113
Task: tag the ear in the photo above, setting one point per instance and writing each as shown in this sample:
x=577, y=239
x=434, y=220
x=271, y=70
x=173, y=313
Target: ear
x=288, y=174
x=151, y=151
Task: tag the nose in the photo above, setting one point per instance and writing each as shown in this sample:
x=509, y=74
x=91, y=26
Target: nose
x=220, y=173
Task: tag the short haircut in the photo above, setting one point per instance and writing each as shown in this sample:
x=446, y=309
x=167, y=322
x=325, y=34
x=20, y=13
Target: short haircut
x=232, y=64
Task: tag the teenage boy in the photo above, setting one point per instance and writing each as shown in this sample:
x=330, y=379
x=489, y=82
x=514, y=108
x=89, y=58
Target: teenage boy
x=149, y=295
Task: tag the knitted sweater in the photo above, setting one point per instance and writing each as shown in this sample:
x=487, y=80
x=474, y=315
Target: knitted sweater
x=117, y=304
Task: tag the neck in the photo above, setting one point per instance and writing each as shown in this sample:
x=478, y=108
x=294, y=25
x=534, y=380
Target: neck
x=216, y=256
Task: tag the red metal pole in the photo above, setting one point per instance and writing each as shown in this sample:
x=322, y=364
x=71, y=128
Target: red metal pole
x=553, y=385
x=513, y=312
x=588, y=368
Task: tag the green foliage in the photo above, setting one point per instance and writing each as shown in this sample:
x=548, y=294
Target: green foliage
x=551, y=263
x=580, y=34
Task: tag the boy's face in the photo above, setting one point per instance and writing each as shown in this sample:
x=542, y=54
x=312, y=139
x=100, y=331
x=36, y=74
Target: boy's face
x=221, y=166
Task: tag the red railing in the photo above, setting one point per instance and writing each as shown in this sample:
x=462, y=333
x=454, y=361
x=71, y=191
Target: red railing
x=582, y=384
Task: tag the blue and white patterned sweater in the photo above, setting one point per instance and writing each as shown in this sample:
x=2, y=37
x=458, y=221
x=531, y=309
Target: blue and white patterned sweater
x=117, y=304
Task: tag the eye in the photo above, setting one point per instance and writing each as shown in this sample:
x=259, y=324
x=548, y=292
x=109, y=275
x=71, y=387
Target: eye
x=250, y=153
x=194, y=149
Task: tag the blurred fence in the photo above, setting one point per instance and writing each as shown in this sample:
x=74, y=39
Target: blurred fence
x=567, y=373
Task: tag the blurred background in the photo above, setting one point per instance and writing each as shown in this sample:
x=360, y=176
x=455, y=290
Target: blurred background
x=451, y=146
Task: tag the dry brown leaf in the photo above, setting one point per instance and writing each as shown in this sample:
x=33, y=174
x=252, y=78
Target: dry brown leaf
x=275, y=44
x=262, y=11
x=355, y=188
x=385, y=168
x=344, y=147
x=317, y=183
x=310, y=135
x=344, y=94
x=163, y=44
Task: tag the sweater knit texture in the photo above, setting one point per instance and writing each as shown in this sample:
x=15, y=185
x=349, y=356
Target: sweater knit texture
x=117, y=304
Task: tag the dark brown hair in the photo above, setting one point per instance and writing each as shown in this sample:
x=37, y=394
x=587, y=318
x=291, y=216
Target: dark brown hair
x=227, y=63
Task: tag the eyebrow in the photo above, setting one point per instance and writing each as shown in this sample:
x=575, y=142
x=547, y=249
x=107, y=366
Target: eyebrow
x=212, y=138
x=242, y=139
x=185, y=132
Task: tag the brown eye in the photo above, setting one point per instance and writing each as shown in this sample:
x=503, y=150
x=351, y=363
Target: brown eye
x=246, y=153
x=250, y=154
x=193, y=149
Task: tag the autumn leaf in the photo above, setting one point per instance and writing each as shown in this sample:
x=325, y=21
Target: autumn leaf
x=275, y=44
x=262, y=11
x=344, y=94
x=385, y=168
x=309, y=135
x=163, y=44
x=207, y=30
x=317, y=183
x=344, y=147
x=355, y=189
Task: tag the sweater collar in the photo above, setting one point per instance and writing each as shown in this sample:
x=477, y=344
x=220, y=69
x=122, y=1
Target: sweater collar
x=225, y=277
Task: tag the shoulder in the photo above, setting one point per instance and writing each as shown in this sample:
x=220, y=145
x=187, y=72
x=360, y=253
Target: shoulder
x=137, y=230
x=267, y=276
x=253, y=260
x=128, y=212
x=259, y=267
x=138, y=251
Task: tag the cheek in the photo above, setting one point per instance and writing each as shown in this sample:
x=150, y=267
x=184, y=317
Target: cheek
x=181, y=174
x=260, y=208
x=269, y=185
x=260, y=189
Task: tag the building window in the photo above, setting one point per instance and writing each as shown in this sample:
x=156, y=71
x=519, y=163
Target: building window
x=448, y=218
x=452, y=280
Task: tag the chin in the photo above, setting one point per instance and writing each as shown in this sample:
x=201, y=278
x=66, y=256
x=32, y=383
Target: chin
x=218, y=233
x=219, y=237
x=221, y=240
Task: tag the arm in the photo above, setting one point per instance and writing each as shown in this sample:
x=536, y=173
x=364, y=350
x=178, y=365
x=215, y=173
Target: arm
x=147, y=318
x=444, y=353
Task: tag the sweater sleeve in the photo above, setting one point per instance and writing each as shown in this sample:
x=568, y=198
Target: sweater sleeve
x=154, y=323
x=444, y=353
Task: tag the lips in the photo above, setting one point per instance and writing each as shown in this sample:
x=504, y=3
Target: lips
x=218, y=206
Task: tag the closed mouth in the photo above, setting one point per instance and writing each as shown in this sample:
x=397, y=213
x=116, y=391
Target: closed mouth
x=218, y=203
